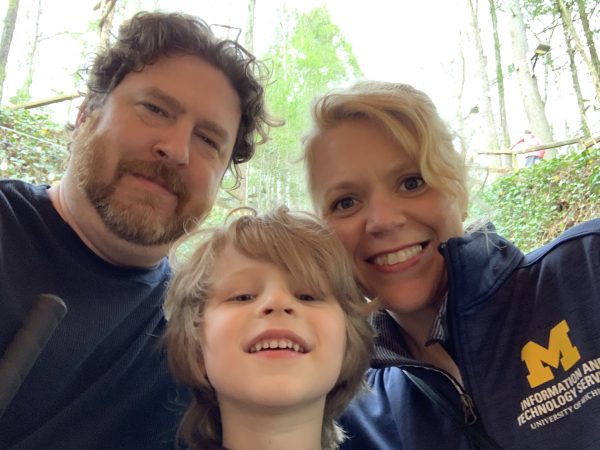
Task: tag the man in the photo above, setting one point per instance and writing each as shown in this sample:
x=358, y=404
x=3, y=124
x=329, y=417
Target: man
x=529, y=140
x=169, y=108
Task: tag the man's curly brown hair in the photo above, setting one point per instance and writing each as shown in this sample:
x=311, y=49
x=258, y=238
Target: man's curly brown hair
x=149, y=36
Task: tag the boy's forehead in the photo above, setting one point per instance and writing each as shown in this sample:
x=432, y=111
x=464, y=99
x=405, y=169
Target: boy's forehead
x=232, y=260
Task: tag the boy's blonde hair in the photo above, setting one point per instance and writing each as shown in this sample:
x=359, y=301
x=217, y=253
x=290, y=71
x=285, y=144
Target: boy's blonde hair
x=411, y=120
x=300, y=245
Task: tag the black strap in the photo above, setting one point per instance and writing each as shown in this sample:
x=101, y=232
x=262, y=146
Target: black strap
x=474, y=432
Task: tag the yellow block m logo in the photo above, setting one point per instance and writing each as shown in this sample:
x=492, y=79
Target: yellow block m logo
x=560, y=350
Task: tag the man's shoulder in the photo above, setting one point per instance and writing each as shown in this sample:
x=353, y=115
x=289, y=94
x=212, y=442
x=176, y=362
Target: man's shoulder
x=12, y=189
x=12, y=184
x=23, y=202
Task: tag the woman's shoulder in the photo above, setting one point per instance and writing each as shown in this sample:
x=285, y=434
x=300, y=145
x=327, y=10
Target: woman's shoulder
x=583, y=238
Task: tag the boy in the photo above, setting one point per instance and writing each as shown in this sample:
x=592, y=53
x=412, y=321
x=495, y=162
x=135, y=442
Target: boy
x=268, y=327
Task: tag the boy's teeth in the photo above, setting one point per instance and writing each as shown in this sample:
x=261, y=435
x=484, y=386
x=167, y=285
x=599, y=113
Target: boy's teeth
x=273, y=344
x=399, y=256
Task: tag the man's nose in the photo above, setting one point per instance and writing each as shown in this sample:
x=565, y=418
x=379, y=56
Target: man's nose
x=174, y=147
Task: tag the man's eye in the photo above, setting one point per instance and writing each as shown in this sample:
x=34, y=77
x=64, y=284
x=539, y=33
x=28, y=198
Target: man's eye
x=155, y=109
x=412, y=183
x=306, y=297
x=344, y=203
x=211, y=142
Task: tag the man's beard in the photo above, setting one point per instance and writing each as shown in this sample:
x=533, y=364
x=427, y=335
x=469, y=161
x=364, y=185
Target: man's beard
x=138, y=223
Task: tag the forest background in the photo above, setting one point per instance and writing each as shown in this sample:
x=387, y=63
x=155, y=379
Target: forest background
x=493, y=67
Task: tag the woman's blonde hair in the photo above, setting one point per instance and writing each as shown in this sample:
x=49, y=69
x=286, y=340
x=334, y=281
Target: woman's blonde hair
x=411, y=120
x=300, y=245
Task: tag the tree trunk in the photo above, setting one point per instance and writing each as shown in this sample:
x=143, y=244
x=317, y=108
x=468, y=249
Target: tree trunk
x=486, y=102
x=23, y=94
x=242, y=190
x=589, y=35
x=461, y=89
x=107, y=13
x=500, y=82
x=532, y=102
x=10, y=21
x=565, y=13
x=574, y=75
x=249, y=35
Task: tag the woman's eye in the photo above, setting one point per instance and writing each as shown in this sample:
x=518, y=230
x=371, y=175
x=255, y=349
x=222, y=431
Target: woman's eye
x=412, y=183
x=306, y=297
x=344, y=203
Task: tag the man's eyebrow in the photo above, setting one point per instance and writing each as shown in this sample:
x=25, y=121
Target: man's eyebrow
x=214, y=127
x=165, y=98
x=173, y=103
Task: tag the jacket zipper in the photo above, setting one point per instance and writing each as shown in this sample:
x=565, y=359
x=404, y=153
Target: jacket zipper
x=466, y=402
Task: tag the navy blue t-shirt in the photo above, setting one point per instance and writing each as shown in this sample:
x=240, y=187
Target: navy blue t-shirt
x=102, y=380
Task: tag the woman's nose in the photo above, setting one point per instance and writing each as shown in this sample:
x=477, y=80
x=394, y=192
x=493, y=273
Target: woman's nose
x=385, y=212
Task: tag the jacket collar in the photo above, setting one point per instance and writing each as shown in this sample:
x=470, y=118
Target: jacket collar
x=478, y=264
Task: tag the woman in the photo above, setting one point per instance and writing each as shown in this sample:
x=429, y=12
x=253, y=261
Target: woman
x=475, y=336
x=268, y=328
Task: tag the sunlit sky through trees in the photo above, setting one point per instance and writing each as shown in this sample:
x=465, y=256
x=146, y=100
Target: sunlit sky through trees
x=396, y=40
x=418, y=42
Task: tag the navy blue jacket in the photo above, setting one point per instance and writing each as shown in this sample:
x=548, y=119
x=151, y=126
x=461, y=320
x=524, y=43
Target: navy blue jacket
x=102, y=380
x=524, y=331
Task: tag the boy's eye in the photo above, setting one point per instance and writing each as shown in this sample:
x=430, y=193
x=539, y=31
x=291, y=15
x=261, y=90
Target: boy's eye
x=243, y=297
x=412, y=183
x=306, y=297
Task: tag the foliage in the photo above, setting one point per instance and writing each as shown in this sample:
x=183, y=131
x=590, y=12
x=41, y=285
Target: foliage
x=536, y=204
x=32, y=147
x=538, y=8
x=308, y=57
x=308, y=60
x=226, y=202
